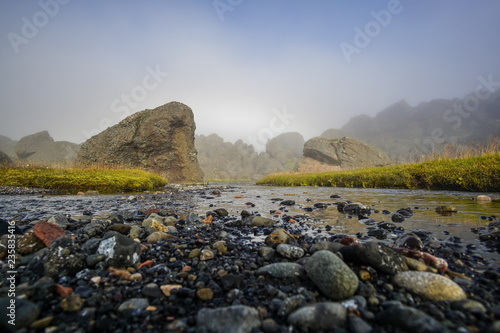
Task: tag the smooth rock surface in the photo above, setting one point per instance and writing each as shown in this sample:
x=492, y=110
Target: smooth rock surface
x=429, y=285
x=331, y=275
x=318, y=317
x=236, y=319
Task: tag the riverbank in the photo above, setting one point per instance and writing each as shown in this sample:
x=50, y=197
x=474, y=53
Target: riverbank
x=74, y=180
x=189, y=272
x=475, y=174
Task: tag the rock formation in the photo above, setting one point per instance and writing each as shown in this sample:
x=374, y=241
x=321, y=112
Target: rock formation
x=322, y=154
x=5, y=159
x=42, y=147
x=8, y=146
x=239, y=161
x=159, y=140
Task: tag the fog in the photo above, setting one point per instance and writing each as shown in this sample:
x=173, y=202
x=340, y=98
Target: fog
x=248, y=69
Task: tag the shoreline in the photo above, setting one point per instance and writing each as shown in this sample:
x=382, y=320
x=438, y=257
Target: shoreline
x=199, y=274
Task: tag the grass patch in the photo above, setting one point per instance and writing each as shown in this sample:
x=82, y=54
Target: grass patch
x=476, y=174
x=74, y=180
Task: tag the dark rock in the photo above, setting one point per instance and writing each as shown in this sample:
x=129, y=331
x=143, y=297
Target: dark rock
x=381, y=257
x=320, y=205
x=63, y=257
x=221, y=212
x=287, y=203
x=21, y=311
x=120, y=251
x=331, y=275
x=410, y=320
x=398, y=218
x=237, y=318
x=161, y=139
x=318, y=317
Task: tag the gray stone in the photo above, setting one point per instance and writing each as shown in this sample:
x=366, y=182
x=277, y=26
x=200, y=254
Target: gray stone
x=346, y=153
x=42, y=147
x=60, y=220
x=256, y=221
x=290, y=251
x=291, y=304
x=430, y=286
x=331, y=275
x=410, y=320
x=235, y=319
x=381, y=257
x=134, y=304
x=318, y=317
x=193, y=218
x=282, y=270
x=120, y=250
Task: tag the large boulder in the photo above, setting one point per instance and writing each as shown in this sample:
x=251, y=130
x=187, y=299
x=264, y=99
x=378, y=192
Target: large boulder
x=159, y=140
x=340, y=154
x=42, y=147
x=8, y=146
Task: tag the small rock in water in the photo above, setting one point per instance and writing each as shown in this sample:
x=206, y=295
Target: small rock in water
x=331, y=275
x=446, y=209
x=318, y=317
x=396, y=217
x=430, y=286
x=483, y=198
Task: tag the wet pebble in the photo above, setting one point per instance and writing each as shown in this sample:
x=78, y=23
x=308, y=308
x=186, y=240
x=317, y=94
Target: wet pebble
x=430, y=286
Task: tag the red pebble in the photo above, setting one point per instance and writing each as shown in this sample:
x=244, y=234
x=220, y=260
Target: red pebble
x=63, y=291
x=47, y=232
x=146, y=263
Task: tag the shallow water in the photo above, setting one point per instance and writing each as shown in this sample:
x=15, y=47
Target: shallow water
x=471, y=214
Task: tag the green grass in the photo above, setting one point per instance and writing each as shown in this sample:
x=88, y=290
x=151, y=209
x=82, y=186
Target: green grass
x=73, y=180
x=476, y=174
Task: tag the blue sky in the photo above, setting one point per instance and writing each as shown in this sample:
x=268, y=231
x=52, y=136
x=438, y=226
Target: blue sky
x=248, y=69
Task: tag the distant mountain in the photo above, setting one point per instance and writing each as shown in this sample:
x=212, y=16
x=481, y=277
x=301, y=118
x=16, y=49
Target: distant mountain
x=225, y=160
x=404, y=132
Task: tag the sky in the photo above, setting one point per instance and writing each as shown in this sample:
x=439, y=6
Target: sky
x=249, y=69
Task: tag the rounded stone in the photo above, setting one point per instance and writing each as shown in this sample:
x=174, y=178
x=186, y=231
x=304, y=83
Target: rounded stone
x=318, y=317
x=290, y=251
x=331, y=275
x=430, y=286
x=220, y=246
x=205, y=294
x=281, y=270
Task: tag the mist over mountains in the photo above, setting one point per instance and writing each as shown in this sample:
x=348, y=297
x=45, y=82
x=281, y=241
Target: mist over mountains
x=402, y=131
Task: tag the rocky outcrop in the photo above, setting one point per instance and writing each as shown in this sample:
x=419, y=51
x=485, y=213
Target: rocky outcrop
x=159, y=140
x=5, y=159
x=239, y=161
x=42, y=147
x=286, y=148
x=323, y=154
